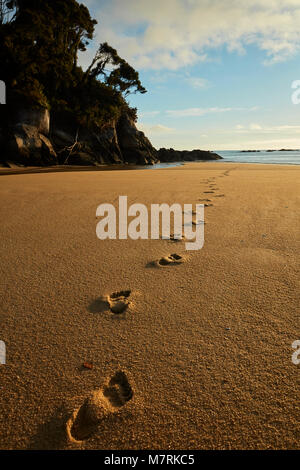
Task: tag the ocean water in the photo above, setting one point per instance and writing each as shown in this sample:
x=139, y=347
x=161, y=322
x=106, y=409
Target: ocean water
x=278, y=157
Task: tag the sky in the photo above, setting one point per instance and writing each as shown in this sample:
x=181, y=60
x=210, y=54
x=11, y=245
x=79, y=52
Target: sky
x=218, y=73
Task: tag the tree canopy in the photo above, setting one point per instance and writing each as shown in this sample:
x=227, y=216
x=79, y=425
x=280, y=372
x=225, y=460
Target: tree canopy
x=121, y=77
x=40, y=41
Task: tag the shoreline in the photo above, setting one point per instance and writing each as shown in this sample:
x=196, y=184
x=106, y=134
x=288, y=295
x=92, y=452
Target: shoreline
x=71, y=168
x=65, y=169
x=75, y=168
x=260, y=163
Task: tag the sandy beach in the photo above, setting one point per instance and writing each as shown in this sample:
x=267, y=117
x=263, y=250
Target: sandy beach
x=200, y=359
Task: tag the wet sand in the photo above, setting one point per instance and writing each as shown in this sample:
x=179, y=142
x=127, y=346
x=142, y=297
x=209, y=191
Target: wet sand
x=22, y=170
x=200, y=356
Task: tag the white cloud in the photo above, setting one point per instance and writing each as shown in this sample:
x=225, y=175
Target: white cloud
x=171, y=34
x=156, y=129
x=189, y=112
x=257, y=128
x=192, y=112
x=196, y=82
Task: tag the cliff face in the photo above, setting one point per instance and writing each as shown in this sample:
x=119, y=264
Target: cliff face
x=135, y=146
x=117, y=142
x=27, y=137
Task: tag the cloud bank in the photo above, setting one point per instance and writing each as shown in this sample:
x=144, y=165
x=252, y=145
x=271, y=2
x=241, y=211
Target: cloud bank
x=171, y=34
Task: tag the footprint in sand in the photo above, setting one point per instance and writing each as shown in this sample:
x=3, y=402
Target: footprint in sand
x=197, y=221
x=205, y=202
x=116, y=303
x=85, y=421
x=169, y=260
x=220, y=195
x=208, y=192
x=119, y=301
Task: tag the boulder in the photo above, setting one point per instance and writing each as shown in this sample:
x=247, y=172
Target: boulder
x=36, y=117
x=27, y=146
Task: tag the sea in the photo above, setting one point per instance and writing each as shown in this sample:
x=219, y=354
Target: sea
x=281, y=157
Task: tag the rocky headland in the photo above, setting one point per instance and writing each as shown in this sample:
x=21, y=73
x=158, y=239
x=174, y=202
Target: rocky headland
x=33, y=137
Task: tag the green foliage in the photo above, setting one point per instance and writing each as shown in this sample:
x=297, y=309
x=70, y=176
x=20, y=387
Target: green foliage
x=31, y=94
x=40, y=41
x=122, y=77
x=94, y=103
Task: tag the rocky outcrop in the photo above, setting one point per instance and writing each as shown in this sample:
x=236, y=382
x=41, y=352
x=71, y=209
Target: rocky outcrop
x=171, y=155
x=27, y=146
x=28, y=138
x=134, y=145
x=24, y=136
x=107, y=144
x=36, y=117
x=117, y=142
x=82, y=146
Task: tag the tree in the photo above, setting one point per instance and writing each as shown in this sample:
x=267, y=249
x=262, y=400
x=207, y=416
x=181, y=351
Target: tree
x=114, y=71
x=43, y=41
x=40, y=41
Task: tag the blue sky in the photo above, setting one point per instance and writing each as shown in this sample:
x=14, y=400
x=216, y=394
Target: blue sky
x=218, y=72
